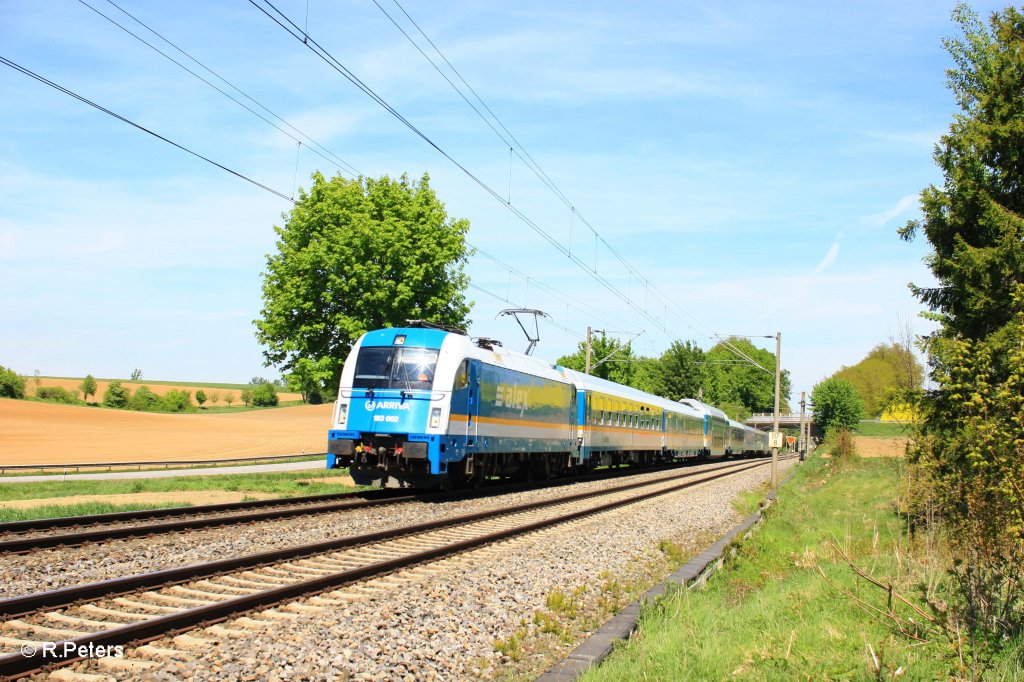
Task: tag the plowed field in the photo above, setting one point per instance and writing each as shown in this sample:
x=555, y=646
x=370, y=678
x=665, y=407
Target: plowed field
x=43, y=433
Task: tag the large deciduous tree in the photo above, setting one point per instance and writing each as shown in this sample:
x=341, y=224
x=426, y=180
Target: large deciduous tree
x=889, y=372
x=357, y=255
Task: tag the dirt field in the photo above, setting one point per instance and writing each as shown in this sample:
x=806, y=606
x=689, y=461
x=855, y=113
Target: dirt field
x=159, y=389
x=43, y=433
x=881, y=447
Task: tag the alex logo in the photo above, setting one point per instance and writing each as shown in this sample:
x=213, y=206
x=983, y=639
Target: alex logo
x=512, y=397
x=372, y=405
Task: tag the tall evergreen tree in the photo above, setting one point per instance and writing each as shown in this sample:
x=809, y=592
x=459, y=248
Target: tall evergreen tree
x=975, y=221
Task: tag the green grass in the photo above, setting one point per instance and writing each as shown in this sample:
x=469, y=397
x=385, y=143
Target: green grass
x=285, y=484
x=56, y=511
x=882, y=429
x=770, y=615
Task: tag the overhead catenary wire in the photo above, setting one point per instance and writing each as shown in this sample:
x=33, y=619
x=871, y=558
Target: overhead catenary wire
x=84, y=100
x=311, y=144
x=505, y=299
x=571, y=301
x=286, y=23
x=509, y=139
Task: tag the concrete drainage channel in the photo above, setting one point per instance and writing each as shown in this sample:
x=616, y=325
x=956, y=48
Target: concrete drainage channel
x=695, y=572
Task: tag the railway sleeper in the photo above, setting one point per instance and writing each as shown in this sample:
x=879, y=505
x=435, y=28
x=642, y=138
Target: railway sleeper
x=115, y=663
x=76, y=620
x=153, y=651
x=100, y=611
x=68, y=675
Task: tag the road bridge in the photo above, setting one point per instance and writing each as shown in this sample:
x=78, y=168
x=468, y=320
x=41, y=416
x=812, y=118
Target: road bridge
x=786, y=421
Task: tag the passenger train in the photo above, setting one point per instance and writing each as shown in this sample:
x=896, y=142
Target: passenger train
x=426, y=406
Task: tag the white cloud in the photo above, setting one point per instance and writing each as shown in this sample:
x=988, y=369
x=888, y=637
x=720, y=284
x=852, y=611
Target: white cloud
x=901, y=207
x=829, y=258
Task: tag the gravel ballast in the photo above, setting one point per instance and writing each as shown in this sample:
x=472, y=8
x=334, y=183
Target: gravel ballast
x=442, y=622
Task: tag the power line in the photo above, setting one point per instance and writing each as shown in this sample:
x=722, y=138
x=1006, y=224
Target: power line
x=292, y=29
x=511, y=141
x=303, y=36
x=570, y=301
x=60, y=88
x=326, y=154
x=504, y=299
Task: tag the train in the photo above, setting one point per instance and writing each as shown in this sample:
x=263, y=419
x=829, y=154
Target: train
x=427, y=406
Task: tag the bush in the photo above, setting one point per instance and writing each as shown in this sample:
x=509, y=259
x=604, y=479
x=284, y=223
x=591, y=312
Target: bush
x=200, y=397
x=144, y=400
x=57, y=394
x=11, y=385
x=177, y=401
x=843, y=449
x=264, y=395
x=116, y=395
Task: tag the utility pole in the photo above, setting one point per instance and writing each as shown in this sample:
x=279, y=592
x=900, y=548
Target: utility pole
x=802, y=441
x=589, y=332
x=775, y=421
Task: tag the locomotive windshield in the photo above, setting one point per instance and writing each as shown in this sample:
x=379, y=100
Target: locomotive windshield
x=390, y=367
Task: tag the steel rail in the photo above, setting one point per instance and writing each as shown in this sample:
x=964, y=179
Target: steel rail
x=17, y=606
x=144, y=514
x=27, y=662
x=280, y=508
x=119, y=532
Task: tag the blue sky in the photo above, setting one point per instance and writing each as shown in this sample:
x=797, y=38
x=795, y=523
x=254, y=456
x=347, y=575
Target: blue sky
x=751, y=162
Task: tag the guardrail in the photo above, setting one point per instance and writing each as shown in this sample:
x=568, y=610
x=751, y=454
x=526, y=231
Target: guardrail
x=109, y=466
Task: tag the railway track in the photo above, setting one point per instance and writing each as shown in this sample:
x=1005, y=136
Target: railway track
x=61, y=626
x=26, y=536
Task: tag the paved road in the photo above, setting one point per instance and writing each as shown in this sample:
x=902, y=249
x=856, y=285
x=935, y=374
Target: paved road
x=165, y=473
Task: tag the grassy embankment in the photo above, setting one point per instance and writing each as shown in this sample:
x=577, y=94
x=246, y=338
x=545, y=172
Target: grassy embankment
x=787, y=606
x=285, y=484
x=883, y=429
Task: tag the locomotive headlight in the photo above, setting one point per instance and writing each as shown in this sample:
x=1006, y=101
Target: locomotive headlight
x=342, y=413
x=435, y=417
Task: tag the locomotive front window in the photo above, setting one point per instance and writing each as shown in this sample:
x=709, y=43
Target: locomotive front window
x=413, y=368
x=390, y=367
x=372, y=367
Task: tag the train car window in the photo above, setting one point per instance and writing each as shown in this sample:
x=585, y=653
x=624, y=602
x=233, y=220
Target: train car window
x=462, y=375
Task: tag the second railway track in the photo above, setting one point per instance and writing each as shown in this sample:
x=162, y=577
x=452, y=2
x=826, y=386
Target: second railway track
x=71, y=531
x=147, y=606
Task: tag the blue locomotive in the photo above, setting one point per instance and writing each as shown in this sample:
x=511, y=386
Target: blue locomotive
x=422, y=406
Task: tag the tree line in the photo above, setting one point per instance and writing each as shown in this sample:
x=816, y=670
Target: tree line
x=718, y=376
x=259, y=393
